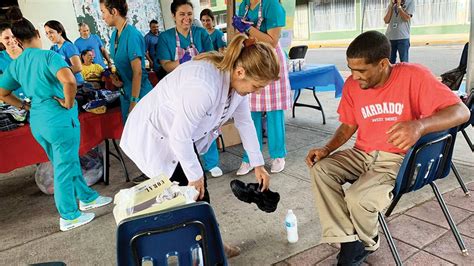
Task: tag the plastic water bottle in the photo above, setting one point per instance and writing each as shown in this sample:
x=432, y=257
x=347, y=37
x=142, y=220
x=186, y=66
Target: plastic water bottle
x=291, y=227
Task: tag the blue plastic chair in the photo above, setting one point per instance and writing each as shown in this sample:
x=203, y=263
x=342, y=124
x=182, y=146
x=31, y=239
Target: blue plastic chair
x=427, y=161
x=184, y=235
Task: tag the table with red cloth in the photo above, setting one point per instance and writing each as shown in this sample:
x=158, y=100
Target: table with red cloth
x=18, y=148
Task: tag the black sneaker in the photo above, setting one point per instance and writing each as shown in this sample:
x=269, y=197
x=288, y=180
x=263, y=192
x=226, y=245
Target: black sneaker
x=139, y=179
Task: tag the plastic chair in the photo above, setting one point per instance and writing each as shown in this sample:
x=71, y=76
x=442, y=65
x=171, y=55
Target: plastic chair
x=298, y=52
x=462, y=129
x=184, y=235
x=427, y=161
x=454, y=77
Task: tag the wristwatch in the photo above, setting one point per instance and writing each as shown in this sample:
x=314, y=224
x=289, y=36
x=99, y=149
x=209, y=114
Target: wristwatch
x=134, y=99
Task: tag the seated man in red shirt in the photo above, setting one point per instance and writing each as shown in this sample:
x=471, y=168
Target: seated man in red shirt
x=390, y=107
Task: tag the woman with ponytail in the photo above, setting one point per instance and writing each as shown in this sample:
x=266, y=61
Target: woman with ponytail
x=179, y=119
x=63, y=46
x=49, y=83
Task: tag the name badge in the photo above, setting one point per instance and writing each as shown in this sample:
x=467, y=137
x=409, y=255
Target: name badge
x=395, y=25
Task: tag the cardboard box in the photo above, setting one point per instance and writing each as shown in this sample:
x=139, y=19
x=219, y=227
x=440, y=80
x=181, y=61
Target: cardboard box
x=230, y=134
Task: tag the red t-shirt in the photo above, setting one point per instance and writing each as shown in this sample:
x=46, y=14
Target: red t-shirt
x=410, y=93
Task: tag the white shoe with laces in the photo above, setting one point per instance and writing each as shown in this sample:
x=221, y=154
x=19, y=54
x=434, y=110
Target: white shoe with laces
x=216, y=172
x=244, y=169
x=278, y=165
x=99, y=202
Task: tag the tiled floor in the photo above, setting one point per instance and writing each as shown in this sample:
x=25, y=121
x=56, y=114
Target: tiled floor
x=422, y=237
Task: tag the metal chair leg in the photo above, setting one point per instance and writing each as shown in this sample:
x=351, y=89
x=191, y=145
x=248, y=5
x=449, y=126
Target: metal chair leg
x=468, y=140
x=320, y=106
x=222, y=142
x=391, y=243
x=392, y=205
x=122, y=161
x=298, y=93
x=449, y=218
x=106, y=159
x=460, y=181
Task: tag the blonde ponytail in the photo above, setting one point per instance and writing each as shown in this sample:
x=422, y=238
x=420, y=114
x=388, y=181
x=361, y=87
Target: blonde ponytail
x=258, y=59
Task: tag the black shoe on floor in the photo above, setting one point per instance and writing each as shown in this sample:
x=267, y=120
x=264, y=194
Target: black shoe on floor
x=139, y=179
x=350, y=251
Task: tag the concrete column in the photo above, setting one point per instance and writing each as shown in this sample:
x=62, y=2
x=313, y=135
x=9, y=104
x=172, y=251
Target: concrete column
x=470, y=58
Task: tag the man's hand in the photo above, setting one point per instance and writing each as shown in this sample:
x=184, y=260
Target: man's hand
x=262, y=177
x=199, y=185
x=315, y=155
x=404, y=135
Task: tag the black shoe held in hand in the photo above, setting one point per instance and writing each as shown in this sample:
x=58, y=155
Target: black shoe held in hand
x=266, y=201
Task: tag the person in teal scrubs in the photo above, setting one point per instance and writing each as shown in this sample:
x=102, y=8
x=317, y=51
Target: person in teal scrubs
x=179, y=45
x=127, y=49
x=63, y=46
x=12, y=51
x=264, y=21
x=217, y=36
x=49, y=82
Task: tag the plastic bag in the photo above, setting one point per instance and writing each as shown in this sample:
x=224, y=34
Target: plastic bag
x=153, y=195
x=44, y=178
x=91, y=165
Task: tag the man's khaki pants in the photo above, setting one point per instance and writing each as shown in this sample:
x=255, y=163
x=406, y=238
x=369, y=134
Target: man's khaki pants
x=351, y=215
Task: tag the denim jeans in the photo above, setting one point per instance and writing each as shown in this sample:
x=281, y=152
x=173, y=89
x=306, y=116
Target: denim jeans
x=402, y=47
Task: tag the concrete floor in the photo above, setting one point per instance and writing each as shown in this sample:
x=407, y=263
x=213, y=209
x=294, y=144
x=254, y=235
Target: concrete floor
x=29, y=224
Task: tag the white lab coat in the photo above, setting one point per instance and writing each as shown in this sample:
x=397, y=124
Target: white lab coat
x=185, y=108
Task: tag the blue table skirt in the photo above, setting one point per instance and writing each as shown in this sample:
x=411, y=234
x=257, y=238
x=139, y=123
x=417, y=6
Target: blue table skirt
x=322, y=77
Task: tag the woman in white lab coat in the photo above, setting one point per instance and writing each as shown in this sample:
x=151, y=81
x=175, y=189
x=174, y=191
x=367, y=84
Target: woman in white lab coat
x=181, y=116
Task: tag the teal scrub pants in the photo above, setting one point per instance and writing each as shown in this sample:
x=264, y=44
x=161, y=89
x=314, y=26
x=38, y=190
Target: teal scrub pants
x=61, y=144
x=211, y=157
x=275, y=133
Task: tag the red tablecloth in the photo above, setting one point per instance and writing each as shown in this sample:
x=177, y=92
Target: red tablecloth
x=18, y=148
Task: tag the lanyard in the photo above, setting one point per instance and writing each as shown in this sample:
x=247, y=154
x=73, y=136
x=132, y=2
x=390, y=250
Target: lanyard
x=116, y=41
x=260, y=17
x=179, y=53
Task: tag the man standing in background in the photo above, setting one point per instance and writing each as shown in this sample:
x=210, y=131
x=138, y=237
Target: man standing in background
x=151, y=44
x=398, y=18
x=92, y=42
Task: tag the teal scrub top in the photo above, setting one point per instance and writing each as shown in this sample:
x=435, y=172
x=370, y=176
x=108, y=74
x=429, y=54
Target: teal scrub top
x=5, y=61
x=35, y=71
x=68, y=50
x=167, y=42
x=273, y=14
x=218, y=40
x=130, y=45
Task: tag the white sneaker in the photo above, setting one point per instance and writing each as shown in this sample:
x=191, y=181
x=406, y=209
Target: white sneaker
x=65, y=225
x=278, y=165
x=99, y=202
x=216, y=171
x=244, y=169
